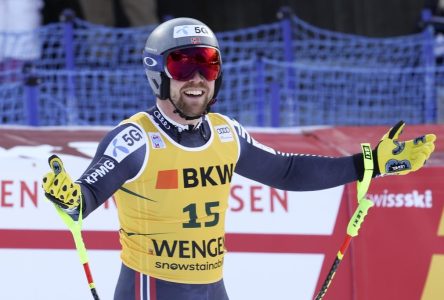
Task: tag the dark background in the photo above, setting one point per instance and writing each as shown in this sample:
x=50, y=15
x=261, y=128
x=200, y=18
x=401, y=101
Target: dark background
x=375, y=18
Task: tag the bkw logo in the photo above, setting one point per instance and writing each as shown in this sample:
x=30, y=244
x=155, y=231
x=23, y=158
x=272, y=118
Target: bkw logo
x=191, y=177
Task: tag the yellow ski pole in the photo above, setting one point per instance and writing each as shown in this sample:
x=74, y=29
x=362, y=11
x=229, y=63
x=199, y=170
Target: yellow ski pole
x=356, y=220
x=75, y=227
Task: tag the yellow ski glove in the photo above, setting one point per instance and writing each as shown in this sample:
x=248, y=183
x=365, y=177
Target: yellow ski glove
x=399, y=158
x=59, y=188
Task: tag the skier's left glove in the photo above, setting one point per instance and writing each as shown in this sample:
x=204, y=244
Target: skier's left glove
x=394, y=157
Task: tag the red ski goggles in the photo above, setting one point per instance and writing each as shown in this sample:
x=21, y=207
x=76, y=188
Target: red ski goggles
x=182, y=64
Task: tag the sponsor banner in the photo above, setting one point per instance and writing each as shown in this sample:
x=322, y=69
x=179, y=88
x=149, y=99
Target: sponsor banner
x=37, y=274
x=287, y=277
x=22, y=201
x=400, y=252
x=256, y=208
x=271, y=275
x=253, y=207
x=291, y=236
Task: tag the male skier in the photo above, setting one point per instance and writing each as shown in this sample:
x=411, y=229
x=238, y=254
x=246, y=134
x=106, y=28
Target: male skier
x=170, y=169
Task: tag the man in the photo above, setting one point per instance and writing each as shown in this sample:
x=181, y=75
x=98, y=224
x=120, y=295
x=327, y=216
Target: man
x=170, y=169
x=104, y=12
x=19, y=21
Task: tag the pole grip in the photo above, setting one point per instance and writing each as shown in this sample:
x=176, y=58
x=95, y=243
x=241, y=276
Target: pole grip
x=358, y=217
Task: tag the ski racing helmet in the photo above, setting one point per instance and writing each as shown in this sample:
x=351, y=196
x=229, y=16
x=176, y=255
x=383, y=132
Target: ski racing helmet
x=178, y=48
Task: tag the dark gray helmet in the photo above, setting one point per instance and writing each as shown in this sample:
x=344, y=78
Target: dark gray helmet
x=174, y=34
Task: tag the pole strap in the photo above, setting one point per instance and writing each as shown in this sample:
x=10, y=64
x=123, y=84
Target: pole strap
x=364, y=204
x=76, y=230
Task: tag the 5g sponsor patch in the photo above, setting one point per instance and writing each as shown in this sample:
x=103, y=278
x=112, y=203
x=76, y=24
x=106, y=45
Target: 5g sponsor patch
x=224, y=133
x=126, y=142
x=191, y=30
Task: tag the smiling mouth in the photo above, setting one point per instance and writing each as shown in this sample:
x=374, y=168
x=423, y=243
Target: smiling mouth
x=194, y=93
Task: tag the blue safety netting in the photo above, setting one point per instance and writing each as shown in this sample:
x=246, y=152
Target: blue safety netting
x=77, y=97
x=287, y=73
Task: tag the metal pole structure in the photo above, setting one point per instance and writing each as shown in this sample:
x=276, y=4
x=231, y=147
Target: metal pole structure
x=67, y=18
x=430, y=105
x=275, y=105
x=285, y=15
x=31, y=92
x=260, y=91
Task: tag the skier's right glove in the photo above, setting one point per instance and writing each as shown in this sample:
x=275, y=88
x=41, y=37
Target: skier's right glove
x=59, y=188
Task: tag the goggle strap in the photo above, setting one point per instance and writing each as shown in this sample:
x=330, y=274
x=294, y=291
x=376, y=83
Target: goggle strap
x=153, y=62
x=164, y=90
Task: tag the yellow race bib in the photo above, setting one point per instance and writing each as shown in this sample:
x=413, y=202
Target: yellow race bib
x=172, y=215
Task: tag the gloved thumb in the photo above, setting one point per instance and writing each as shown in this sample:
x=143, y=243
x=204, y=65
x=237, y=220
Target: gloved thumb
x=395, y=131
x=56, y=164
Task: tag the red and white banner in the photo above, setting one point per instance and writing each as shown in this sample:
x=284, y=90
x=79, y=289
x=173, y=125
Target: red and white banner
x=281, y=244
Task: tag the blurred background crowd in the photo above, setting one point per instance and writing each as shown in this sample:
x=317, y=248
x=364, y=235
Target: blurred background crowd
x=369, y=18
x=292, y=62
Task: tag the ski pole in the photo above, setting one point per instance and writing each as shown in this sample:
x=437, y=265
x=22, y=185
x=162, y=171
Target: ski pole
x=356, y=220
x=76, y=229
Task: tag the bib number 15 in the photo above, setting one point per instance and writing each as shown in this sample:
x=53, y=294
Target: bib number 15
x=192, y=213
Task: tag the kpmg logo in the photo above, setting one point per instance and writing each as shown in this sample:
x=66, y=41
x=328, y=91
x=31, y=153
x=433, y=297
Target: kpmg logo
x=99, y=170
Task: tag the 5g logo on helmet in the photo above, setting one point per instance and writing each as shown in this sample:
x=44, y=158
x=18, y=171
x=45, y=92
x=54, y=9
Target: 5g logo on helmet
x=191, y=30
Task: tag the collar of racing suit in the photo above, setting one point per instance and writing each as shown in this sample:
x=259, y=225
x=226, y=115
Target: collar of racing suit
x=186, y=135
